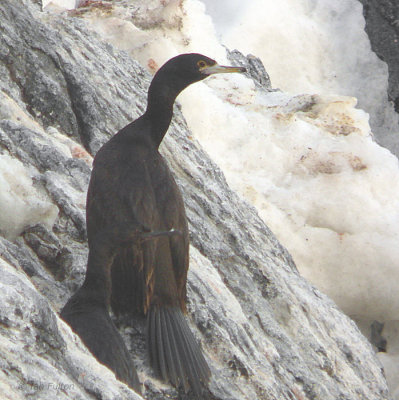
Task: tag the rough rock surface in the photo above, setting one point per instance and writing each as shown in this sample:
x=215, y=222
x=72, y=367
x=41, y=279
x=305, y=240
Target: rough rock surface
x=265, y=331
x=382, y=27
x=255, y=69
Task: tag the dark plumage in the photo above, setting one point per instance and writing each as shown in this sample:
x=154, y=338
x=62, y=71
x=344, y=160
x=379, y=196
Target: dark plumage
x=132, y=184
x=87, y=310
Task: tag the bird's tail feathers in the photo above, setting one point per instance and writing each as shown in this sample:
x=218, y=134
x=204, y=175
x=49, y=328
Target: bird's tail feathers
x=173, y=351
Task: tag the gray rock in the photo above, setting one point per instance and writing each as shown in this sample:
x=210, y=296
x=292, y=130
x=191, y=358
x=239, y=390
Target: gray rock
x=40, y=359
x=382, y=27
x=255, y=68
x=265, y=331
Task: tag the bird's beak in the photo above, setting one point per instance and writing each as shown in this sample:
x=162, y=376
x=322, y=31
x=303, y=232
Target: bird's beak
x=221, y=69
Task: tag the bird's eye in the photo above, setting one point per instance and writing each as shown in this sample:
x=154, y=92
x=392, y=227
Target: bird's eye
x=201, y=64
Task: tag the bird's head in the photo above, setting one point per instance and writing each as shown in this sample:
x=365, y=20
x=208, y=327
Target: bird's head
x=186, y=69
x=173, y=77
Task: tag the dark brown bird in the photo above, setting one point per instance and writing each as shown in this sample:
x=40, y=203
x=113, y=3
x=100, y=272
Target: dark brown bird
x=132, y=184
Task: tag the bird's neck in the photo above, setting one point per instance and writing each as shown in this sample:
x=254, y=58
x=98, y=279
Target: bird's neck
x=161, y=98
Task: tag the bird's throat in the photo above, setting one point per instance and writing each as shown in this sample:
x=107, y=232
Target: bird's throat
x=161, y=97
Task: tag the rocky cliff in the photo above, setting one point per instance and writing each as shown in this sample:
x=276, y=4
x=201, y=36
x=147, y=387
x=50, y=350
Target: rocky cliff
x=382, y=26
x=265, y=331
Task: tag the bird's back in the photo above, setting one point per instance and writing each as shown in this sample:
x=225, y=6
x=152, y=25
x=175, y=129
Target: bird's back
x=131, y=183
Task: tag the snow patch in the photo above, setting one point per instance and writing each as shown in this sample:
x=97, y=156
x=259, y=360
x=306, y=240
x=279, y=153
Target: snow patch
x=20, y=202
x=311, y=46
x=60, y=4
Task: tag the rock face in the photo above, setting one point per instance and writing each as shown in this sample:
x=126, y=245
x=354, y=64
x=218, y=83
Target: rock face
x=265, y=331
x=382, y=26
x=255, y=69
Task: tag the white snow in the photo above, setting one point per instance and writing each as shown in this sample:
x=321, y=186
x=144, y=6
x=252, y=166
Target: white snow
x=22, y=204
x=330, y=197
x=60, y=4
x=310, y=46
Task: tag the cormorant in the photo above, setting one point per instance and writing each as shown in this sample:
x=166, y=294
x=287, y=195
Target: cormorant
x=132, y=184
